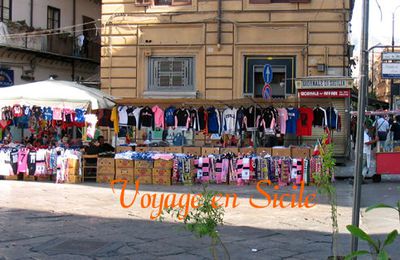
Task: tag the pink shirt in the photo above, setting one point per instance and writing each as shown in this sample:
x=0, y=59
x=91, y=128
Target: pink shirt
x=283, y=116
x=158, y=117
x=57, y=114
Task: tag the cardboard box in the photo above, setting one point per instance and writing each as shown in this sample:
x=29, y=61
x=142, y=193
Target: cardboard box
x=246, y=150
x=174, y=149
x=29, y=178
x=282, y=152
x=300, y=152
x=109, y=162
x=105, y=170
x=105, y=178
x=162, y=180
x=161, y=172
x=262, y=151
x=143, y=164
x=144, y=179
x=233, y=150
x=196, y=151
x=199, y=143
x=121, y=163
x=11, y=178
x=121, y=149
x=73, y=163
x=72, y=179
x=124, y=171
x=199, y=136
x=205, y=151
x=142, y=149
x=158, y=149
x=163, y=164
x=129, y=177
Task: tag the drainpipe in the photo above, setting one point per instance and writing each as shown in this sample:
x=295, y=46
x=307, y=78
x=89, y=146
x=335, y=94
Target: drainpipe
x=73, y=37
x=31, y=17
x=219, y=24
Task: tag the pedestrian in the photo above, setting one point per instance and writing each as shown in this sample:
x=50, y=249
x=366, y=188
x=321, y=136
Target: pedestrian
x=395, y=129
x=382, y=130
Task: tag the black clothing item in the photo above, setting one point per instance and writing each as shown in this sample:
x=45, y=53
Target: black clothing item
x=396, y=131
x=239, y=119
x=131, y=116
x=266, y=118
x=202, y=114
x=194, y=119
x=319, y=117
x=146, y=118
x=103, y=116
x=251, y=114
x=37, y=111
x=14, y=160
x=32, y=163
x=181, y=117
x=106, y=148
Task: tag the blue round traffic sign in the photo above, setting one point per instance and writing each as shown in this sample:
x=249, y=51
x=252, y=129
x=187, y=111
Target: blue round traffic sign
x=267, y=73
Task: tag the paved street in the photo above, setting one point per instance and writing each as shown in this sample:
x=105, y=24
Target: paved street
x=86, y=221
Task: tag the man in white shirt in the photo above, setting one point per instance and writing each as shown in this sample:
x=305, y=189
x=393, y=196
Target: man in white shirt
x=382, y=129
x=366, y=154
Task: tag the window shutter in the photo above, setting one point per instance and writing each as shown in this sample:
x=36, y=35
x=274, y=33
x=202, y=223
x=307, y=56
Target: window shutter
x=144, y=2
x=181, y=2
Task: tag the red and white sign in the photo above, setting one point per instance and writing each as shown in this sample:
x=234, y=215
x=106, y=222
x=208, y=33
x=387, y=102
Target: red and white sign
x=324, y=93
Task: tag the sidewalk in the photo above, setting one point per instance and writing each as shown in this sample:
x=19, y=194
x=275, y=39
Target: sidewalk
x=49, y=221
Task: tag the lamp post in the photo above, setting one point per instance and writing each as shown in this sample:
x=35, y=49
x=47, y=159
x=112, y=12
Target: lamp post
x=392, y=81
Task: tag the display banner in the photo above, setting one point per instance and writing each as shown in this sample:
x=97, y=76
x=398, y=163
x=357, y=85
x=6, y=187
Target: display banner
x=322, y=93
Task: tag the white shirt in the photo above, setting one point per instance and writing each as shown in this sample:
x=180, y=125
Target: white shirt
x=382, y=125
x=229, y=120
x=367, y=147
x=122, y=115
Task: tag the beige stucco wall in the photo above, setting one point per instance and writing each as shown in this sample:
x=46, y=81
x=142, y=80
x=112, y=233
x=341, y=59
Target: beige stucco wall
x=314, y=33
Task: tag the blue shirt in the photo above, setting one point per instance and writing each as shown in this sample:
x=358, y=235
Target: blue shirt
x=291, y=123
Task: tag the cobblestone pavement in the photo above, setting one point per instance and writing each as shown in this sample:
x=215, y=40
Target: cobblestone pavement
x=86, y=221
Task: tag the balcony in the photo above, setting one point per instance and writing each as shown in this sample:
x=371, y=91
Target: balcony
x=60, y=44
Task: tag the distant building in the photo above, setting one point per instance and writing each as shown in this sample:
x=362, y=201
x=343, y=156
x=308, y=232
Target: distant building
x=40, y=39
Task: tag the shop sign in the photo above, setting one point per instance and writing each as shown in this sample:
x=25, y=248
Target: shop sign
x=325, y=93
x=324, y=83
x=391, y=70
x=387, y=56
x=6, y=78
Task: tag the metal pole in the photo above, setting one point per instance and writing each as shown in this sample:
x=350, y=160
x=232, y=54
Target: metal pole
x=391, y=81
x=360, y=122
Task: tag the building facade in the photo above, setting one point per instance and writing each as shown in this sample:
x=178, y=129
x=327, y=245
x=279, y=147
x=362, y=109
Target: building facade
x=218, y=49
x=49, y=38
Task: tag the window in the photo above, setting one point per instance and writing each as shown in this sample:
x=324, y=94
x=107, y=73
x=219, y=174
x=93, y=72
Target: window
x=53, y=18
x=278, y=1
x=171, y=73
x=163, y=2
x=5, y=10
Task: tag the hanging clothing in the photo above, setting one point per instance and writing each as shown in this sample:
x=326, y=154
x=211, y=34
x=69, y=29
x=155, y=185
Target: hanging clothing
x=193, y=119
x=291, y=123
x=158, y=117
x=214, y=122
x=114, y=118
x=268, y=119
x=332, y=117
x=182, y=118
x=251, y=117
x=304, y=124
x=320, y=117
x=283, y=117
x=229, y=120
x=169, y=116
x=239, y=119
x=122, y=115
x=203, y=119
x=146, y=118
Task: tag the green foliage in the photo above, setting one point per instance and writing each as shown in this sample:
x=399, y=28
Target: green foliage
x=323, y=181
x=203, y=220
x=377, y=248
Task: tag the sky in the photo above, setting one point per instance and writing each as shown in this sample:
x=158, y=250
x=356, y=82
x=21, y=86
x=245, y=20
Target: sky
x=380, y=27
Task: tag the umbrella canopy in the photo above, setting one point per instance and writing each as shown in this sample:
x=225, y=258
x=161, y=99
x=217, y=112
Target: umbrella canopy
x=55, y=93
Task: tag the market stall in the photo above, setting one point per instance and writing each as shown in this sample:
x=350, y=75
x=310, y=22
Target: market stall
x=330, y=100
x=46, y=110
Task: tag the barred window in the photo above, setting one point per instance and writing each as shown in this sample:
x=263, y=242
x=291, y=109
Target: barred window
x=5, y=10
x=171, y=73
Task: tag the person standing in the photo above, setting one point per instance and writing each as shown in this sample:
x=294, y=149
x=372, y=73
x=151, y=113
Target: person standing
x=395, y=128
x=382, y=130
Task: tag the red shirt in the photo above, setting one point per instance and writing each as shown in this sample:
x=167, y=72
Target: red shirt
x=304, y=123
